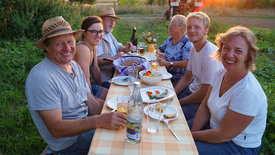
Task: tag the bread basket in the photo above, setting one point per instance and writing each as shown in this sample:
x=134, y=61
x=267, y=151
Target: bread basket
x=125, y=64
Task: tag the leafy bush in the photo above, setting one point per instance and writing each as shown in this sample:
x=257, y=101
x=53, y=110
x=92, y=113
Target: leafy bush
x=24, y=18
x=18, y=135
x=265, y=74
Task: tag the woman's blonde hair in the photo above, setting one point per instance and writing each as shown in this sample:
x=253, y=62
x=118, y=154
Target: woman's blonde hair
x=248, y=35
x=201, y=16
x=180, y=20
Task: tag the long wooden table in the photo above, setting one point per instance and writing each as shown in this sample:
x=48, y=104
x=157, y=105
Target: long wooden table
x=106, y=141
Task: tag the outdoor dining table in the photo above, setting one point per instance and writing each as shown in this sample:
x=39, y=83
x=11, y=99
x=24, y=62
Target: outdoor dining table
x=107, y=141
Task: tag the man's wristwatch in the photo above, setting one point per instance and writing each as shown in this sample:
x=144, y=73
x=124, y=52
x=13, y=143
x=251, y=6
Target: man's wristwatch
x=171, y=64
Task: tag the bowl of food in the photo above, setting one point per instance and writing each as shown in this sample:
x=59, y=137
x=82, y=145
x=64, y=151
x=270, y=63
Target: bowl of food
x=150, y=77
x=126, y=64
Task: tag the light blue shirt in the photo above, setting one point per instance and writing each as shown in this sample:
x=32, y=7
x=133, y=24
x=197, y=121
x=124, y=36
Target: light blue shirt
x=48, y=87
x=112, y=42
x=177, y=52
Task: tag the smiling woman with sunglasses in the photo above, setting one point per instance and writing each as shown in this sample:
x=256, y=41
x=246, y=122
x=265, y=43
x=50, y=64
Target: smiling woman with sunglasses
x=86, y=54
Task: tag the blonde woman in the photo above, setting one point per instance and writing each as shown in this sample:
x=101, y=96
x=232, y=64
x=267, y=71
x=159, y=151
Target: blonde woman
x=174, y=52
x=236, y=105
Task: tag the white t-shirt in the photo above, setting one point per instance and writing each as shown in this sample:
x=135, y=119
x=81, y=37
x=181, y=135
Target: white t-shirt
x=245, y=97
x=202, y=65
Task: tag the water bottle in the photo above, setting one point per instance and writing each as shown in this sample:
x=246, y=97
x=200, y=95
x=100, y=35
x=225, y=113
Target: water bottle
x=135, y=116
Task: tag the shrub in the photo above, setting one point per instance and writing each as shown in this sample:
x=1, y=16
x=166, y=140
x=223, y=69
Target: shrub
x=24, y=18
x=18, y=133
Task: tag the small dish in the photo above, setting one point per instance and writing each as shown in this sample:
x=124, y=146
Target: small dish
x=168, y=109
x=165, y=75
x=120, y=80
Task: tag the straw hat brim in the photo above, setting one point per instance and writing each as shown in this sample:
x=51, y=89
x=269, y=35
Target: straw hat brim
x=77, y=34
x=116, y=17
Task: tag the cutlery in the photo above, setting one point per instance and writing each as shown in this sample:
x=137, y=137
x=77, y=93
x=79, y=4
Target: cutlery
x=167, y=123
x=113, y=110
x=167, y=120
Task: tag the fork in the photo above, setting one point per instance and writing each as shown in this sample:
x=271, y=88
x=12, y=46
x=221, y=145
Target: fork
x=168, y=102
x=167, y=121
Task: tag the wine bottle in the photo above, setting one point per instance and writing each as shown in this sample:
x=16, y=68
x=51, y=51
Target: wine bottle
x=134, y=39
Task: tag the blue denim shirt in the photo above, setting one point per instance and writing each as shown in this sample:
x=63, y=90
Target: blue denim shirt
x=177, y=52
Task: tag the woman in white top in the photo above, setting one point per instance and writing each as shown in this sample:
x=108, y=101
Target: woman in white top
x=236, y=105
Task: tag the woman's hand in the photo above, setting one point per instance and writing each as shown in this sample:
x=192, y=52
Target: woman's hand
x=163, y=62
x=118, y=55
x=161, y=54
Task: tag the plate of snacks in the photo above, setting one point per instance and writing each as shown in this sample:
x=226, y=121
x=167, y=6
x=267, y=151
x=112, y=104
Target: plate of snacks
x=168, y=112
x=152, y=94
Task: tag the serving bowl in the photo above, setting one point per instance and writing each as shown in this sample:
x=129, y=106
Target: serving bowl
x=155, y=77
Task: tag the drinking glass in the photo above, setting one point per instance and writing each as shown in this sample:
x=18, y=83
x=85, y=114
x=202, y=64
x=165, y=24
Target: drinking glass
x=154, y=64
x=122, y=104
x=141, y=48
x=132, y=77
x=153, y=123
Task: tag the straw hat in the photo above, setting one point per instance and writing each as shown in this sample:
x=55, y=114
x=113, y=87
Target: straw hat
x=107, y=12
x=56, y=26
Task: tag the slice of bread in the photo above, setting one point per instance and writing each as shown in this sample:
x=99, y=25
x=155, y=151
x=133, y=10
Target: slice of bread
x=169, y=115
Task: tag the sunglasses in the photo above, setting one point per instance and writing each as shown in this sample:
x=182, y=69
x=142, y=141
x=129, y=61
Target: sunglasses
x=95, y=32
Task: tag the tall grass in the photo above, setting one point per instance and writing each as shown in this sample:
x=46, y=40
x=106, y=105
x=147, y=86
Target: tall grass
x=144, y=9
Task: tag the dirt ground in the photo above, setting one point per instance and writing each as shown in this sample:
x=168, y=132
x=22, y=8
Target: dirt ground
x=248, y=22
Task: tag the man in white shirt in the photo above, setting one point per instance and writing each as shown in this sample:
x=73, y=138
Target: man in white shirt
x=109, y=47
x=200, y=66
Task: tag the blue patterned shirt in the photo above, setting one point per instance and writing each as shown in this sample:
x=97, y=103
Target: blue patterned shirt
x=177, y=52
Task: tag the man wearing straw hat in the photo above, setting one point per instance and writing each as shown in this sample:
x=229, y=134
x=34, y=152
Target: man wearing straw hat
x=109, y=47
x=59, y=97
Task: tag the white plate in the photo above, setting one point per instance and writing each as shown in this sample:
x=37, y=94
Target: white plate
x=161, y=89
x=165, y=75
x=120, y=80
x=150, y=57
x=112, y=102
x=168, y=109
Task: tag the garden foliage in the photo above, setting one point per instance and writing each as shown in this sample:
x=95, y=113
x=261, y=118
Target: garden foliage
x=21, y=27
